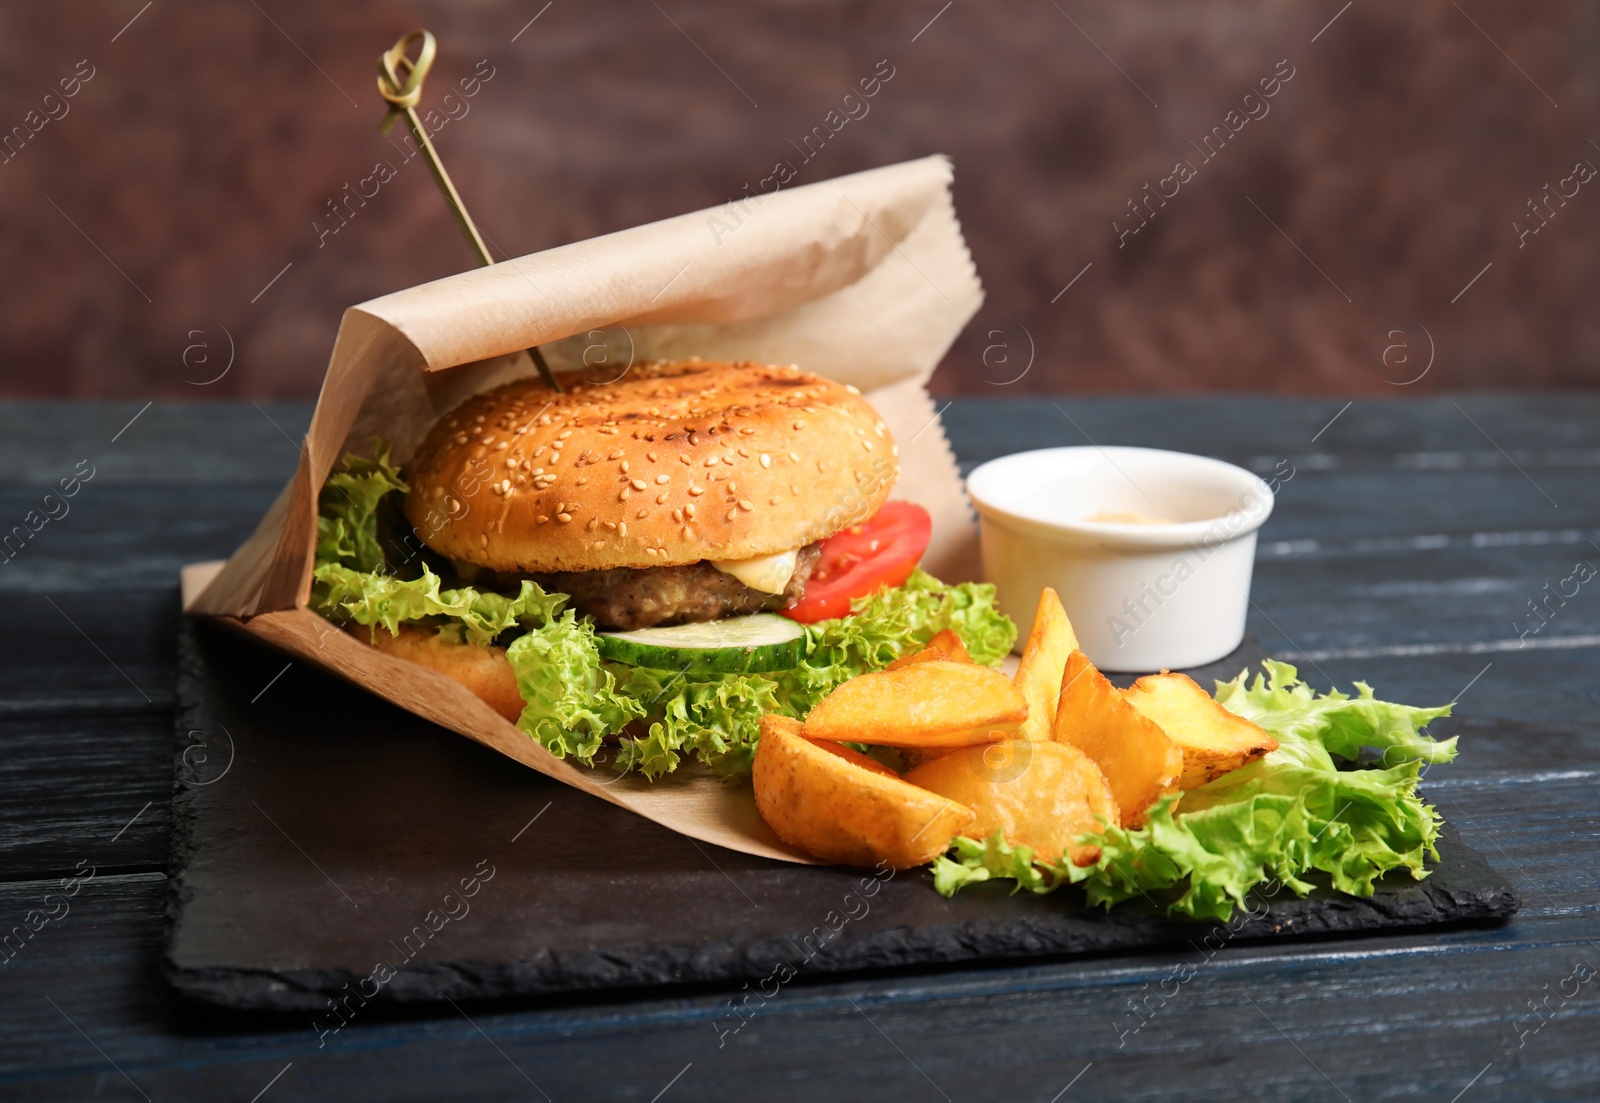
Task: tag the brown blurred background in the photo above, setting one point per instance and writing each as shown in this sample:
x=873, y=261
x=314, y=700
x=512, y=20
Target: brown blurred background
x=195, y=165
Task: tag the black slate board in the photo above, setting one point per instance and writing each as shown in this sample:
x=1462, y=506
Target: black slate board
x=321, y=839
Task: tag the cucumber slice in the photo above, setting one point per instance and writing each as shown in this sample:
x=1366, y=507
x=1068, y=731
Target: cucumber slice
x=754, y=644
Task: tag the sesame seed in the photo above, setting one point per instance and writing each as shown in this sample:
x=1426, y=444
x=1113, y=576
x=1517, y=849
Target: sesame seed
x=852, y=389
x=487, y=440
x=821, y=466
x=483, y=541
x=688, y=510
x=743, y=453
x=564, y=434
x=867, y=444
x=697, y=490
x=651, y=552
x=623, y=466
x=617, y=455
x=684, y=459
x=638, y=484
x=772, y=501
x=794, y=458
x=660, y=479
x=661, y=499
x=502, y=446
x=598, y=544
x=622, y=529
x=795, y=490
x=745, y=505
x=564, y=518
x=711, y=461
x=583, y=480
x=732, y=513
x=766, y=460
x=623, y=495
x=594, y=523
x=651, y=456
x=799, y=425
x=640, y=516
x=677, y=515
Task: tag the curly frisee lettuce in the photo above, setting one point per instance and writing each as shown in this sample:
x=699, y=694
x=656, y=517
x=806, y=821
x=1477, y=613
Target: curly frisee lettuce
x=1282, y=818
x=574, y=700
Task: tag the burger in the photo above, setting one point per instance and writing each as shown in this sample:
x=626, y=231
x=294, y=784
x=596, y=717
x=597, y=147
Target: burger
x=684, y=493
x=644, y=566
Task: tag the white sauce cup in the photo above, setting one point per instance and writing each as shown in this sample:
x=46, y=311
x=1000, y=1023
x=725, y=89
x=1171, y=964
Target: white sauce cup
x=1140, y=596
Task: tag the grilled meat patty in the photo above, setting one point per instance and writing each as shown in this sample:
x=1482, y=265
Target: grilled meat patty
x=625, y=598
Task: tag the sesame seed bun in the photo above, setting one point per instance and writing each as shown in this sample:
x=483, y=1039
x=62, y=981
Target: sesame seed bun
x=674, y=463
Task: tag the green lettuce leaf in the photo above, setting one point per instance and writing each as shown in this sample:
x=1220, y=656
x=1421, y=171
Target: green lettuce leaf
x=347, y=508
x=1292, y=813
x=719, y=719
x=372, y=599
x=571, y=698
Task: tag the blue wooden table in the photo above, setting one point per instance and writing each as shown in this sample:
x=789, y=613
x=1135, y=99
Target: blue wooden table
x=1411, y=546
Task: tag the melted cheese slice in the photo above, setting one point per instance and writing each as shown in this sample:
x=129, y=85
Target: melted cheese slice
x=768, y=573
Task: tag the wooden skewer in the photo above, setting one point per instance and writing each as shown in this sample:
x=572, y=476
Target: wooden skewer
x=400, y=84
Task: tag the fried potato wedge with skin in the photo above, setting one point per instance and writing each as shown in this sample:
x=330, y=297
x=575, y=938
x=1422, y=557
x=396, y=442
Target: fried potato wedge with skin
x=945, y=645
x=1140, y=761
x=1044, y=657
x=931, y=704
x=484, y=670
x=850, y=754
x=949, y=641
x=833, y=809
x=1043, y=795
x=1214, y=741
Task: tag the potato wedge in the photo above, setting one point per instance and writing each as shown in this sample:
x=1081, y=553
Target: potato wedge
x=930, y=704
x=1214, y=741
x=839, y=811
x=944, y=645
x=850, y=754
x=1043, y=659
x=484, y=670
x=1140, y=761
x=1042, y=795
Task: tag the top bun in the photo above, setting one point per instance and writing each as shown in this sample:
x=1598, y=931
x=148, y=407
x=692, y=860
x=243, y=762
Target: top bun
x=674, y=463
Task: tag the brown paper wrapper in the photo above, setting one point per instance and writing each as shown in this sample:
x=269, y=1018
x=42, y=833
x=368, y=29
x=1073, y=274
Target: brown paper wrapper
x=864, y=279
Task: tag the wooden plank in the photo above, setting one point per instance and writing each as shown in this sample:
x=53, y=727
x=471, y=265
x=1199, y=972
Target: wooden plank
x=1243, y=426
x=219, y=442
x=95, y=787
x=89, y=651
x=127, y=535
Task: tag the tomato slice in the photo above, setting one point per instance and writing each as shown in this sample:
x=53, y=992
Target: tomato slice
x=862, y=559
